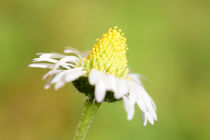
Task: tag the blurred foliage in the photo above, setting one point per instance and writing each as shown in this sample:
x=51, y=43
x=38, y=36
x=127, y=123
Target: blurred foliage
x=168, y=42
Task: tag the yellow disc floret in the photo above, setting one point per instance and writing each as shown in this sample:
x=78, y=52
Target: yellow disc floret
x=109, y=54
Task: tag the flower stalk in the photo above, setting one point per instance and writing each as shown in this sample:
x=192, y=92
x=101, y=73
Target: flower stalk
x=90, y=109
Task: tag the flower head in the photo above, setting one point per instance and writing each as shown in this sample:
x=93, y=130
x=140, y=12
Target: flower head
x=109, y=54
x=103, y=75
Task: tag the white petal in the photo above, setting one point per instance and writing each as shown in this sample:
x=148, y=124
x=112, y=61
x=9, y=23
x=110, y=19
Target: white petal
x=47, y=86
x=59, y=84
x=131, y=112
x=45, y=59
x=50, y=55
x=100, y=90
x=68, y=64
x=144, y=101
x=68, y=51
x=62, y=62
x=134, y=90
x=48, y=83
x=122, y=88
x=129, y=107
x=69, y=77
x=149, y=103
x=73, y=59
x=69, y=72
x=150, y=110
x=135, y=77
x=144, y=119
x=153, y=113
x=144, y=95
x=111, y=83
x=74, y=51
x=149, y=117
x=94, y=76
x=52, y=72
x=126, y=103
x=58, y=77
x=140, y=103
x=41, y=65
x=130, y=101
x=117, y=90
x=153, y=103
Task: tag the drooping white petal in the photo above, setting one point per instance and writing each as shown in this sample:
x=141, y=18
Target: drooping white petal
x=64, y=68
x=117, y=89
x=58, y=77
x=69, y=50
x=151, y=100
x=73, y=59
x=111, y=83
x=50, y=55
x=148, y=102
x=47, y=86
x=149, y=107
x=72, y=50
x=135, y=77
x=67, y=65
x=122, y=88
x=52, y=72
x=60, y=61
x=126, y=103
x=45, y=59
x=153, y=113
x=134, y=90
x=69, y=77
x=144, y=118
x=149, y=117
x=67, y=73
x=100, y=90
x=153, y=103
x=59, y=84
x=94, y=76
x=41, y=65
x=131, y=112
x=137, y=94
x=48, y=83
x=129, y=107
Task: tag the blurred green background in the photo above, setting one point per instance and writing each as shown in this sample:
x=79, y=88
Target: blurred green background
x=168, y=41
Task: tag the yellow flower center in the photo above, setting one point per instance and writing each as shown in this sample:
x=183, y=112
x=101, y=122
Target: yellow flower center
x=109, y=54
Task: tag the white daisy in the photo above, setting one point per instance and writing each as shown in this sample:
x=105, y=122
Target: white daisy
x=102, y=75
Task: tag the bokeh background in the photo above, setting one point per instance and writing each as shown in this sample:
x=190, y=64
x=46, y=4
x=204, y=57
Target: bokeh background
x=168, y=41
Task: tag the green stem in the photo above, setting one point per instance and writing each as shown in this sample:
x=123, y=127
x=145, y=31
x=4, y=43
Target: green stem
x=90, y=109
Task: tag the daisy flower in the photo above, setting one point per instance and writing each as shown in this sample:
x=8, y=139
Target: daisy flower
x=102, y=76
